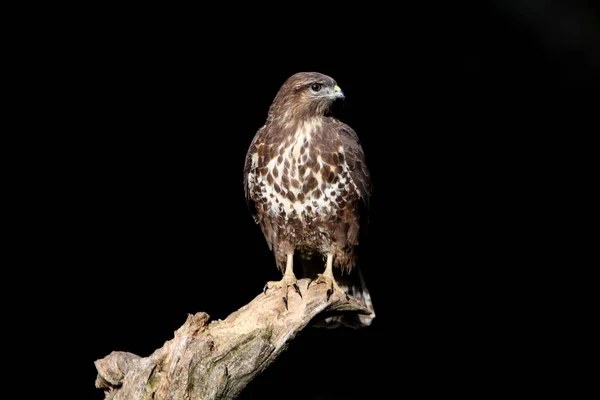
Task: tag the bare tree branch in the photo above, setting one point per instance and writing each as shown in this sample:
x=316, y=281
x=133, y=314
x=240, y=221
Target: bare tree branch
x=217, y=360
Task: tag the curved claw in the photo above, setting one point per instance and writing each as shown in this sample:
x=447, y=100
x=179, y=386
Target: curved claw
x=265, y=288
x=285, y=302
x=297, y=289
x=329, y=291
x=347, y=297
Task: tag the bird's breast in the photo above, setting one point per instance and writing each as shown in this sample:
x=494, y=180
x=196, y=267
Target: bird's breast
x=304, y=176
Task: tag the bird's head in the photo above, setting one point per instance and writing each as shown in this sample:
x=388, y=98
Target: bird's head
x=306, y=95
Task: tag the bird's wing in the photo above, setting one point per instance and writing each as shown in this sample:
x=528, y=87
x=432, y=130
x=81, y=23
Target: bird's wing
x=355, y=158
x=247, y=170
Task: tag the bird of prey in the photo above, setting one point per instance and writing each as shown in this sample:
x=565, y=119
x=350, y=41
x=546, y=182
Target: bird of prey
x=307, y=185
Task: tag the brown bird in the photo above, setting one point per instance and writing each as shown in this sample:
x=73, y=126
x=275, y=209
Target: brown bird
x=307, y=184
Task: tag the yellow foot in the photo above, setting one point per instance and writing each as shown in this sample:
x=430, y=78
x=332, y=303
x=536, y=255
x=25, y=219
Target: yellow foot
x=285, y=283
x=330, y=282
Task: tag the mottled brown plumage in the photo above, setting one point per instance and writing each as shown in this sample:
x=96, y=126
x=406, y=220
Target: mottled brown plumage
x=305, y=177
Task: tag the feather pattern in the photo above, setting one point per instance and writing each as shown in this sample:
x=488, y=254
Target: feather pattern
x=305, y=176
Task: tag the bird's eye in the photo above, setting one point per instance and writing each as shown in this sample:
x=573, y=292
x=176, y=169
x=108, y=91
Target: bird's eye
x=315, y=87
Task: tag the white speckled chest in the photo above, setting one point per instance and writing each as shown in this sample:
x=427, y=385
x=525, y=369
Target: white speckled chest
x=302, y=178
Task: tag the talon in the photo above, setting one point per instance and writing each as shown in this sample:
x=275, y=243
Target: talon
x=329, y=294
x=347, y=297
x=265, y=288
x=285, y=302
x=297, y=289
x=309, y=282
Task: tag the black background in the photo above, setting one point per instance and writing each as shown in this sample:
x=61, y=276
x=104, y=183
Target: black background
x=457, y=108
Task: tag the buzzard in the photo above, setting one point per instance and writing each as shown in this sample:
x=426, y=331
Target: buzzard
x=307, y=185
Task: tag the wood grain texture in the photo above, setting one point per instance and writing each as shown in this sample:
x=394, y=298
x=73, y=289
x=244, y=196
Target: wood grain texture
x=217, y=359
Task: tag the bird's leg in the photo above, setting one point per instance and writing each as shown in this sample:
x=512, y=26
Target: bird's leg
x=289, y=279
x=327, y=277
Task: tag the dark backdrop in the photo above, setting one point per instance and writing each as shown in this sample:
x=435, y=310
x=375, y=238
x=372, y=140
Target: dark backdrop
x=455, y=106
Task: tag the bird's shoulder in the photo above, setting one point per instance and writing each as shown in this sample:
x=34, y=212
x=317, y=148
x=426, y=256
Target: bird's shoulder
x=345, y=133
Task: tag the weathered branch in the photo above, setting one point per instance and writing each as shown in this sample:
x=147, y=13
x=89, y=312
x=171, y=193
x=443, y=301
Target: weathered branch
x=217, y=360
